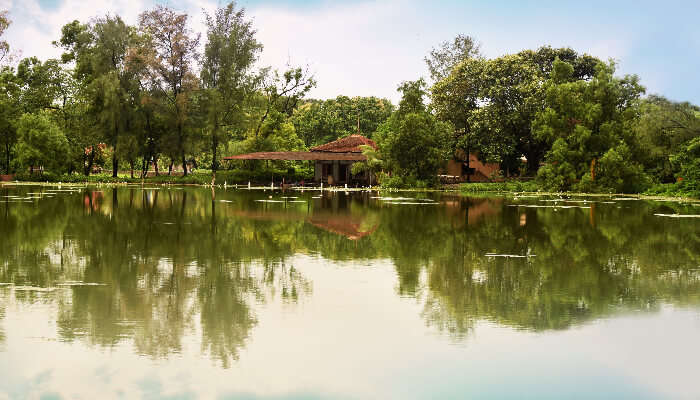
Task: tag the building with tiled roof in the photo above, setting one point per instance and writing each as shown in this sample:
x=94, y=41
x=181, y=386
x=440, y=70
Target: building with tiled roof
x=332, y=161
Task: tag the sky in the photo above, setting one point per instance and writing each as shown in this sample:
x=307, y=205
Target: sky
x=366, y=47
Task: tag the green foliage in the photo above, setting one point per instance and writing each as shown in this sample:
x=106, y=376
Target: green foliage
x=9, y=112
x=4, y=46
x=688, y=162
x=444, y=58
x=227, y=74
x=41, y=143
x=663, y=129
x=589, y=126
x=372, y=165
x=322, y=121
x=507, y=186
x=492, y=102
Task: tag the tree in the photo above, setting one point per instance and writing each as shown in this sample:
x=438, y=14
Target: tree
x=688, y=162
x=4, y=46
x=589, y=127
x=492, y=103
x=444, y=58
x=9, y=112
x=455, y=97
x=41, y=142
x=372, y=165
x=100, y=51
x=664, y=128
x=321, y=121
x=173, y=50
x=282, y=92
x=227, y=73
x=40, y=84
x=413, y=142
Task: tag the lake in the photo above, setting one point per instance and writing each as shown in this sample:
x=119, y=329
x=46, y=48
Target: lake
x=179, y=293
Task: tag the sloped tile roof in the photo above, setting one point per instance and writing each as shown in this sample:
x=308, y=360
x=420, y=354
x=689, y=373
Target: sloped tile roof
x=300, y=156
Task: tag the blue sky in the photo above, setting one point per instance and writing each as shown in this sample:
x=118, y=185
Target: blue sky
x=367, y=47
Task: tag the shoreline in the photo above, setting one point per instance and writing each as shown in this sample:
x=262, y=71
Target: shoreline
x=454, y=190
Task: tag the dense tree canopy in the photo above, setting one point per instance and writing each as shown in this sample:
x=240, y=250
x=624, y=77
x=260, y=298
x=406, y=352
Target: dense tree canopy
x=41, y=143
x=321, y=121
x=589, y=127
x=415, y=145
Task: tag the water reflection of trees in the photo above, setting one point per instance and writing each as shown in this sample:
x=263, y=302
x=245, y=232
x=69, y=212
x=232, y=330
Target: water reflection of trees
x=625, y=260
x=164, y=259
x=169, y=257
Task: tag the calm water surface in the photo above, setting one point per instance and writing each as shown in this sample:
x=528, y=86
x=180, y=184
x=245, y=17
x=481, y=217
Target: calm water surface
x=179, y=293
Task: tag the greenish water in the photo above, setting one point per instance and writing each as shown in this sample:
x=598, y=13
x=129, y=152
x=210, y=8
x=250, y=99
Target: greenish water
x=184, y=293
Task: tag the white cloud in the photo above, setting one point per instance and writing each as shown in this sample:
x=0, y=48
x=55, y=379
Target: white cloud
x=354, y=49
x=34, y=28
x=369, y=47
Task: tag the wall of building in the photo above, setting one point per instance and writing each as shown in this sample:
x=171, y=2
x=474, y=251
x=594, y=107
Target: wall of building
x=482, y=171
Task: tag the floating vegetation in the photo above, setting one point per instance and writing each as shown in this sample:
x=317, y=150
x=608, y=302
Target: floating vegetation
x=412, y=202
x=392, y=198
x=625, y=198
x=80, y=283
x=509, y=255
x=271, y=201
x=34, y=289
x=679, y=215
x=540, y=206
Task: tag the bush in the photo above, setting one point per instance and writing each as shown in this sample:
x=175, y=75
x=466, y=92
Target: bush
x=406, y=182
x=507, y=186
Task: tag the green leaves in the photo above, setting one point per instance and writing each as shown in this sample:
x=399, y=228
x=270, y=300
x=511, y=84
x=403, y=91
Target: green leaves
x=41, y=143
x=587, y=124
x=413, y=142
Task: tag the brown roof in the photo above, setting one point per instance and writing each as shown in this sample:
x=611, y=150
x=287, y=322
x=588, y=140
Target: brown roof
x=348, y=144
x=349, y=226
x=299, y=155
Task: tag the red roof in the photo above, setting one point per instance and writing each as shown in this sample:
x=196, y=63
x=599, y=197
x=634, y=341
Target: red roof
x=348, y=144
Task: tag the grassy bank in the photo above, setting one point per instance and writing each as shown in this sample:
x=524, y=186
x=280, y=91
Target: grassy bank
x=661, y=191
x=198, y=177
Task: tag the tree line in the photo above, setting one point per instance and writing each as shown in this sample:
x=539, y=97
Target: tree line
x=157, y=92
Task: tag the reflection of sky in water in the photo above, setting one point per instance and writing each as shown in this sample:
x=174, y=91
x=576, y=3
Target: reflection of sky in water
x=355, y=339
x=345, y=297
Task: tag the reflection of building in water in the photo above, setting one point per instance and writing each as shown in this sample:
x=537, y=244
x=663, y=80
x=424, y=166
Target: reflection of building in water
x=351, y=226
x=470, y=210
x=92, y=201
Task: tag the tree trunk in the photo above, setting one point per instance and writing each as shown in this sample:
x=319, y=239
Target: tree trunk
x=170, y=167
x=155, y=165
x=115, y=165
x=181, y=145
x=469, y=156
x=115, y=160
x=91, y=161
x=7, y=157
x=144, y=167
x=214, y=163
x=533, y=163
x=132, y=168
